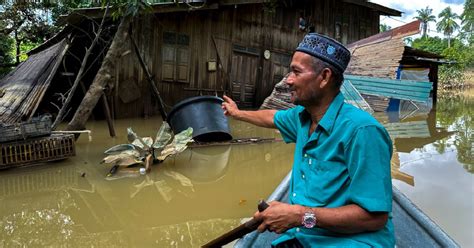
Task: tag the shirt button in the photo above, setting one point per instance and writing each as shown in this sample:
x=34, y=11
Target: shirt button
x=294, y=194
x=302, y=176
x=297, y=229
x=305, y=155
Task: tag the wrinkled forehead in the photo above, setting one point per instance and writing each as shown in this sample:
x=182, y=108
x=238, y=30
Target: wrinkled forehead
x=301, y=59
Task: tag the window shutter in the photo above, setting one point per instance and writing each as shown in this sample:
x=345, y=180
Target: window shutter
x=169, y=57
x=182, y=70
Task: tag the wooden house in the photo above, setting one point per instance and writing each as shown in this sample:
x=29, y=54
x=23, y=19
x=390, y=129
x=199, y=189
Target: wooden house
x=237, y=47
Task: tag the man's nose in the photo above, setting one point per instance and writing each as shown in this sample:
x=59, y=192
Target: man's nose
x=289, y=79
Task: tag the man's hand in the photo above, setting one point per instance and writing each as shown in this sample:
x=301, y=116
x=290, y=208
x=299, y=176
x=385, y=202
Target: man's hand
x=279, y=217
x=261, y=118
x=230, y=107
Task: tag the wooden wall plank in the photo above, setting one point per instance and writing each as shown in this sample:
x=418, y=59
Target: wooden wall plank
x=244, y=25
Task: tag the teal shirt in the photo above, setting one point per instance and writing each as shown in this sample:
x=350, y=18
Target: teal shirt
x=346, y=160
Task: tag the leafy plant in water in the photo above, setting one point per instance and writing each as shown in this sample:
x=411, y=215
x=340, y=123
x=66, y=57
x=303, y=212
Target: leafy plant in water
x=142, y=147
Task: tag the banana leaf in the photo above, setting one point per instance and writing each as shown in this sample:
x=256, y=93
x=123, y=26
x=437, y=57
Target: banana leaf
x=132, y=136
x=122, y=159
x=119, y=148
x=163, y=136
x=179, y=144
x=139, y=142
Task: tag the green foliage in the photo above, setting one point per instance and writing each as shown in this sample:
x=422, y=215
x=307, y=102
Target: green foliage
x=448, y=23
x=25, y=21
x=452, y=75
x=425, y=16
x=384, y=27
x=430, y=44
x=127, y=7
x=59, y=8
x=6, y=44
x=26, y=47
x=459, y=56
x=467, y=18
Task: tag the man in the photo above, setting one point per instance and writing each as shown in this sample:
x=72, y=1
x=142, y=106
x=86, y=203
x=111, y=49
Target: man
x=340, y=192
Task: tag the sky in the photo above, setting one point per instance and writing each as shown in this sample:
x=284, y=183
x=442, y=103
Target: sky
x=409, y=7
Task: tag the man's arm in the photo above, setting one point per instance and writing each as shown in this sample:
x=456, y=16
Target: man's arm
x=280, y=217
x=262, y=118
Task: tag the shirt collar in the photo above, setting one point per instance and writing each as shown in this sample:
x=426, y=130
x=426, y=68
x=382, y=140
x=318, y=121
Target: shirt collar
x=327, y=122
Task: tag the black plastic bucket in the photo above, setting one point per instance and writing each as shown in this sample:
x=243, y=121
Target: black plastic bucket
x=204, y=114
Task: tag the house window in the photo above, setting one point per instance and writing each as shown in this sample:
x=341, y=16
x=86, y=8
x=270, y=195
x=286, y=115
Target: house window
x=175, y=57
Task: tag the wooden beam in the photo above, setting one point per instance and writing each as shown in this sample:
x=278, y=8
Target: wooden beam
x=108, y=116
x=238, y=2
x=97, y=12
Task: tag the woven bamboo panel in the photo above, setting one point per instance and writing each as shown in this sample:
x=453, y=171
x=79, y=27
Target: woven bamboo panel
x=34, y=151
x=37, y=126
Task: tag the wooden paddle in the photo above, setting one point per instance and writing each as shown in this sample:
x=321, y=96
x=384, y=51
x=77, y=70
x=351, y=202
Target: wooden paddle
x=239, y=231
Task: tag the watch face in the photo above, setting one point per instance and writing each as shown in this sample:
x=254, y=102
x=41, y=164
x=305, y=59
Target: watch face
x=309, y=220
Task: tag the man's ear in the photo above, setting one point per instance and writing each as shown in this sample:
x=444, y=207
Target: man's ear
x=326, y=75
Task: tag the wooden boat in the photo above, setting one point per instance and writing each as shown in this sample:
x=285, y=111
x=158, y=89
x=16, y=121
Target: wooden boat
x=412, y=227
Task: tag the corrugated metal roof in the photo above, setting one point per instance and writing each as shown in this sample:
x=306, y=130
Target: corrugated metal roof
x=392, y=88
x=352, y=96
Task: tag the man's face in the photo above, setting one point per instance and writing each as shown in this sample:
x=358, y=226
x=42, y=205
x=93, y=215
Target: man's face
x=303, y=80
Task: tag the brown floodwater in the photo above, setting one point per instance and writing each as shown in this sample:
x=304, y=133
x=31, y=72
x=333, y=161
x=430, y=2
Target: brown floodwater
x=183, y=202
x=203, y=192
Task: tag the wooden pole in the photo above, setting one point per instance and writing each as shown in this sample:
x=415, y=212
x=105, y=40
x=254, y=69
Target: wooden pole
x=150, y=79
x=239, y=231
x=108, y=116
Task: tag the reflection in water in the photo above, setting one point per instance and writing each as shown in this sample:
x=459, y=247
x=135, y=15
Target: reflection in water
x=456, y=113
x=185, y=201
x=437, y=149
x=203, y=164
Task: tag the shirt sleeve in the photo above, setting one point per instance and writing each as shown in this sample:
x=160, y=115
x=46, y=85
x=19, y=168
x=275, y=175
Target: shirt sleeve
x=286, y=122
x=369, y=154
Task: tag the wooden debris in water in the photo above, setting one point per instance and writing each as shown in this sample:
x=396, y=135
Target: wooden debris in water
x=240, y=141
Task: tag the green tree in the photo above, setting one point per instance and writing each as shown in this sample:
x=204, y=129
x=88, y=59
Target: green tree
x=425, y=16
x=24, y=21
x=59, y=8
x=430, y=44
x=448, y=23
x=6, y=60
x=459, y=56
x=384, y=27
x=467, y=20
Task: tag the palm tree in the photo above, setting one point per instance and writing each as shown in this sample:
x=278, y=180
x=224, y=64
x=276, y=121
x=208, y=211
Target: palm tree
x=448, y=23
x=425, y=16
x=467, y=17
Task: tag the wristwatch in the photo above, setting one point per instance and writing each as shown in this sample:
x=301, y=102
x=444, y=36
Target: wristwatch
x=309, y=219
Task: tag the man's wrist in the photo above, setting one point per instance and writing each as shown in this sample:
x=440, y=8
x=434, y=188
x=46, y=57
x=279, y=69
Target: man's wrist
x=309, y=219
